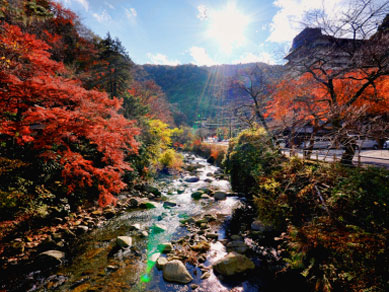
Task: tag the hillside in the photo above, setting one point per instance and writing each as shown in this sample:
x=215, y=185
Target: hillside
x=200, y=92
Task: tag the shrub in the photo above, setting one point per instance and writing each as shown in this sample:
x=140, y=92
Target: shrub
x=169, y=159
x=335, y=219
x=249, y=156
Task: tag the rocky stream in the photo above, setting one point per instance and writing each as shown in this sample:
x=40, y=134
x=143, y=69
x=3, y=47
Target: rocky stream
x=174, y=241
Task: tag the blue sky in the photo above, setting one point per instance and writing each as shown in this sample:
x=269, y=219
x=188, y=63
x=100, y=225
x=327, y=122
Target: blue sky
x=201, y=32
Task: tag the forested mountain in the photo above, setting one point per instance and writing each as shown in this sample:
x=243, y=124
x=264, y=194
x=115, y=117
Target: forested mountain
x=200, y=92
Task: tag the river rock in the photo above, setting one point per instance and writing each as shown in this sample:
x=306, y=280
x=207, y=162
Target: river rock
x=154, y=257
x=211, y=236
x=220, y=196
x=238, y=246
x=259, y=226
x=161, y=261
x=158, y=228
x=135, y=226
x=196, y=195
x=152, y=190
x=236, y=237
x=169, y=204
x=165, y=247
x=205, y=190
x=81, y=229
x=147, y=205
x=202, y=246
x=192, y=179
x=205, y=197
x=144, y=233
x=175, y=271
x=51, y=256
x=180, y=191
x=124, y=241
x=232, y=264
x=133, y=203
x=109, y=213
x=206, y=275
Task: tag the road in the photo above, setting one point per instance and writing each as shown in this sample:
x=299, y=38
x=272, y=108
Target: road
x=364, y=157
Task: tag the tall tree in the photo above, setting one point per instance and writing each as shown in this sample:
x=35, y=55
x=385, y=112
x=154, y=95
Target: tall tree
x=255, y=83
x=113, y=70
x=347, y=62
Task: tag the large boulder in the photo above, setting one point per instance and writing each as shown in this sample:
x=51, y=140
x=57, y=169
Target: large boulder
x=175, y=271
x=124, y=241
x=232, y=264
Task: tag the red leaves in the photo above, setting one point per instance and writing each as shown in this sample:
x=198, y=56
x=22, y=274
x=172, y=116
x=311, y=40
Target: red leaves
x=39, y=106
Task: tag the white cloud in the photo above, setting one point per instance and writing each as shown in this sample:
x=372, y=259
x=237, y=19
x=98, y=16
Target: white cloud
x=286, y=23
x=160, y=59
x=84, y=4
x=131, y=13
x=202, y=12
x=109, y=5
x=263, y=57
x=200, y=57
x=103, y=17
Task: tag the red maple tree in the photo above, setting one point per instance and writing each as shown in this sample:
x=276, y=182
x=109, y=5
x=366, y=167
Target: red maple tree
x=42, y=106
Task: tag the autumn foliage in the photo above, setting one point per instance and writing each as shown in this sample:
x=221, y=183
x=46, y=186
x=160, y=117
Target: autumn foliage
x=304, y=99
x=42, y=107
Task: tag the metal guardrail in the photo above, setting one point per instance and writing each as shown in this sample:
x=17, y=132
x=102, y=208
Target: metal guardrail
x=331, y=155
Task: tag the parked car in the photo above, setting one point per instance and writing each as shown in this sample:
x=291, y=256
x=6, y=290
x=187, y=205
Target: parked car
x=386, y=144
x=366, y=144
x=282, y=143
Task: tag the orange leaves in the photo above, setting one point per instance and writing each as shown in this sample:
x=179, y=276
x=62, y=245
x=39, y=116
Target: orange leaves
x=307, y=99
x=40, y=107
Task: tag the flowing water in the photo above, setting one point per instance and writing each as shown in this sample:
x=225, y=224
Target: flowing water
x=96, y=267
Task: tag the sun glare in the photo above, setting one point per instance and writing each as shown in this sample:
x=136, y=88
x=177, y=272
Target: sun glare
x=227, y=27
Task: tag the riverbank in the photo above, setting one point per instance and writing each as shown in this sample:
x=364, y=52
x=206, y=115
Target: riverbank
x=188, y=215
x=24, y=242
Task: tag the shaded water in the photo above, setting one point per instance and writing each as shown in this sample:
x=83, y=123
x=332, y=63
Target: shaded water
x=98, y=268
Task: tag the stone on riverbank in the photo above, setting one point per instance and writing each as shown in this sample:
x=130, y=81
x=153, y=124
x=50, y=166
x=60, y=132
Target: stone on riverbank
x=196, y=195
x=192, y=179
x=147, y=205
x=158, y=228
x=161, y=261
x=238, y=246
x=135, y=226
x=220, y=196
x=124, y=241
x=52, y=257
x=175, y=271
x=169, y=204
x=165, y=247
x=232, y=264
x=259, y=226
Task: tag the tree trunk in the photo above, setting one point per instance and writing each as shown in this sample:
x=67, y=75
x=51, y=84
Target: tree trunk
x=348, y=154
